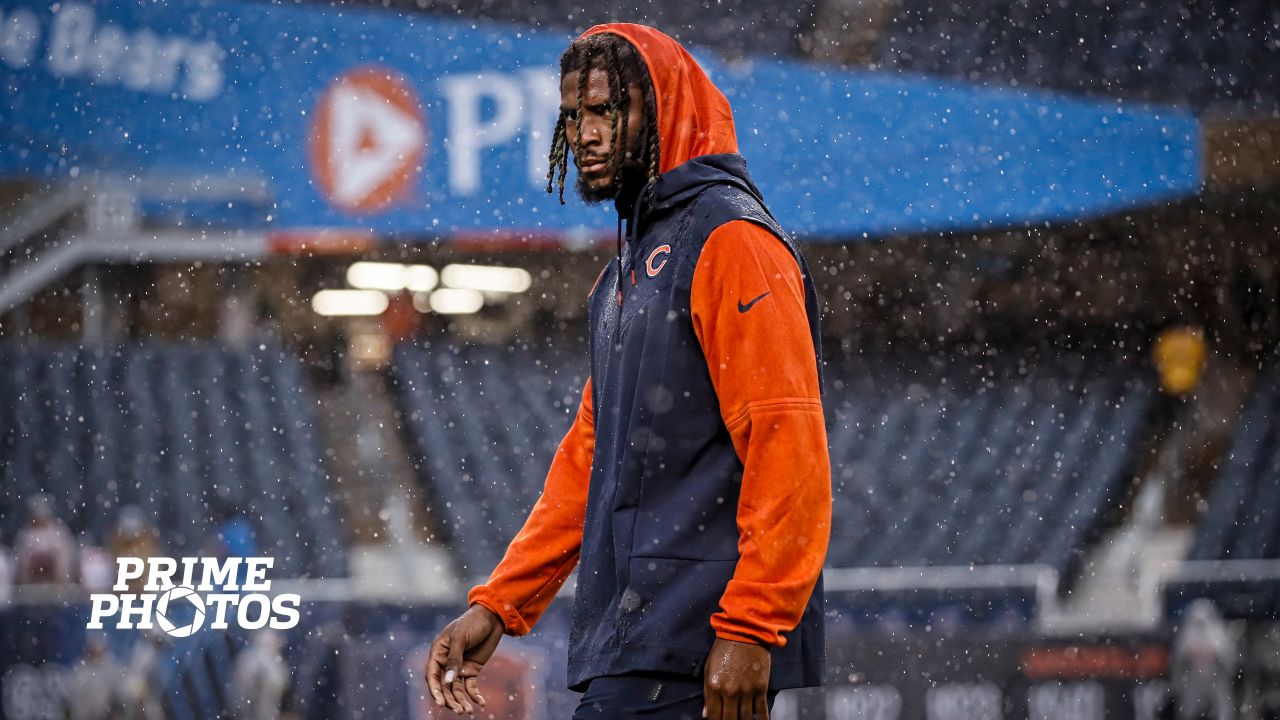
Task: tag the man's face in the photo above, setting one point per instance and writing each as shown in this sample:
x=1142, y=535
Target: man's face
x=591, y=136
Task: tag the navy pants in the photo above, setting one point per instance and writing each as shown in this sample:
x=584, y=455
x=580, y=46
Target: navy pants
x=656, y=696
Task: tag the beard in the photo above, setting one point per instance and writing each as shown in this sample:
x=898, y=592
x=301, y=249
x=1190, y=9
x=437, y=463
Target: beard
x=630, y=176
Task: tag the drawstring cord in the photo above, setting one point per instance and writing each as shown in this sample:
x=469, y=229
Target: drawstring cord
x=617, y=282
x=631, y=246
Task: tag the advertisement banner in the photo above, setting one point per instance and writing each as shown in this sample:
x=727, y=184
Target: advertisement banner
x=415, y=125
x=348, y=660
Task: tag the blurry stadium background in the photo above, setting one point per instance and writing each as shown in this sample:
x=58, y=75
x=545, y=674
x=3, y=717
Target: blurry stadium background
x=281, y=279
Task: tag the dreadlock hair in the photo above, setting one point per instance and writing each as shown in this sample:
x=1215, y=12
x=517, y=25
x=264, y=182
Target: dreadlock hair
x=624, y=67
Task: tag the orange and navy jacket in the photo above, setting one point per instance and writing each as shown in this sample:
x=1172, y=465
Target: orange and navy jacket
x=693, y=490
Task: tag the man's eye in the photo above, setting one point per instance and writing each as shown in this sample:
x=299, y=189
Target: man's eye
x=569, y=115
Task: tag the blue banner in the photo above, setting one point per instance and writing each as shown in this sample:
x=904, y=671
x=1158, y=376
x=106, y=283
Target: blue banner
x=416, y=125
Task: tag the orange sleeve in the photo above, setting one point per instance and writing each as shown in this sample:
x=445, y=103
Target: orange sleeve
x=545, y=551
x=749, y=315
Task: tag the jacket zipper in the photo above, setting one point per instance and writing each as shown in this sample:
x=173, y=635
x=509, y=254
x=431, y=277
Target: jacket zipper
x=631, y=223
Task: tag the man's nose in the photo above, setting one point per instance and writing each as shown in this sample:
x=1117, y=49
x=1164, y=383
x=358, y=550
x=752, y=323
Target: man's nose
x=590, y=133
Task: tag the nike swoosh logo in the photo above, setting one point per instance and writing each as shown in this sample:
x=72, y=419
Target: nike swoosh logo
x=743, y=308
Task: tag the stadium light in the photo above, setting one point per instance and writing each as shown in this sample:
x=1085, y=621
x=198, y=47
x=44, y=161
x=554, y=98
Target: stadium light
x=421, y=278
x=392, y=277
x=491, y=278
x=349, y=302
x=456, y=301
x=376, y=276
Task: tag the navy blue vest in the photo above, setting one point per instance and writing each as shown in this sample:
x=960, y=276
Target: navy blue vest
x=660, y=537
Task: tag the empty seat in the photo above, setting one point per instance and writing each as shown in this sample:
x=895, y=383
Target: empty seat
x=177, y=429
x=935, y=461
x=1243, y=517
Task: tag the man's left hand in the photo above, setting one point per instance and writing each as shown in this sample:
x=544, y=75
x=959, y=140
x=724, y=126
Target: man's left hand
x=736, y=681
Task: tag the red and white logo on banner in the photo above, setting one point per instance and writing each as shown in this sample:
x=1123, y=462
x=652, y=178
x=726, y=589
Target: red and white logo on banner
x=368, y=139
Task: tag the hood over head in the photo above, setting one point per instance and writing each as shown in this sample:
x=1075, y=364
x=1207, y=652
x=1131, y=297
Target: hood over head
x=696, y=136
x=694, y=117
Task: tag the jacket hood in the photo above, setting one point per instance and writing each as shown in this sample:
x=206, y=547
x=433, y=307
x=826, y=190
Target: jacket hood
x=694, y=117
x=684, y=183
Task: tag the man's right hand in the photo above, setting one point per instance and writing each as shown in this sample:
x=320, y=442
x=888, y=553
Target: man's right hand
x=458, y=653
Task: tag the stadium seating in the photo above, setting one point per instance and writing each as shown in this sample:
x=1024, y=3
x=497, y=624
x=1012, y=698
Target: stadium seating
x=1242, y=521
x=735, y=29
x=951, y=463
x=1243, y=518
x=180, y=430
x=934, y=462
x=1218, y=55
x=483, y=423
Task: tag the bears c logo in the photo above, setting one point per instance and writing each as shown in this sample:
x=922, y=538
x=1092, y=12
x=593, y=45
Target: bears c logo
x=653, y=265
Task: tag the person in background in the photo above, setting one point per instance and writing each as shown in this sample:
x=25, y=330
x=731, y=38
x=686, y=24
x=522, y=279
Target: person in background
x=97, y=566
x=259, y=678
x=1204, y=390
x=93, y=689
x=1203, y=666
x=1265, y=671
x=233, y=535
x=133, y=536
x=142, y=692
x=7, y=570
x=45, y=549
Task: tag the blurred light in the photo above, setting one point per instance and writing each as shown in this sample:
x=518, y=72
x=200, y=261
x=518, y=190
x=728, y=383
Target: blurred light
x=371, y=348
x=1180, y=354
x=349, y=302
x=486, y=277
x=376, y=276
x=422, y=302
x=456, y=301
x=421, y=278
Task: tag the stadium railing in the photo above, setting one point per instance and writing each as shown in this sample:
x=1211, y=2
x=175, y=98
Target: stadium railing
x=1239, y=588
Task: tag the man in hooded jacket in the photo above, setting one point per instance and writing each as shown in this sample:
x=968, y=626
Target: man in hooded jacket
x=693, y=489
